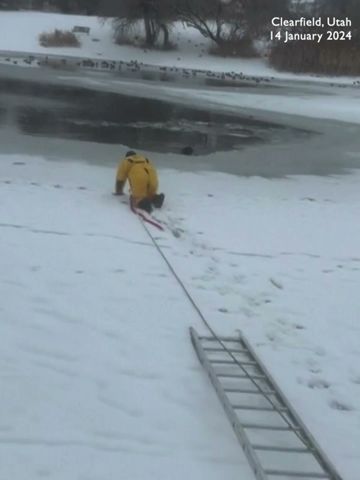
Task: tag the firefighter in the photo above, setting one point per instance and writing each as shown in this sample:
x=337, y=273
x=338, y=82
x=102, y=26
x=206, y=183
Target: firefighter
x=143, y=181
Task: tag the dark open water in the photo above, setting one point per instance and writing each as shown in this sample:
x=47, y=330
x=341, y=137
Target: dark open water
x=42, y=110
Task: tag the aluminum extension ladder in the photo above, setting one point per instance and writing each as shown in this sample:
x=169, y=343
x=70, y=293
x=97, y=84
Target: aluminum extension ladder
x=275, y=441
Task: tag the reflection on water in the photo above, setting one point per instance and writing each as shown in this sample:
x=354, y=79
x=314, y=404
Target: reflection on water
x=67, y=112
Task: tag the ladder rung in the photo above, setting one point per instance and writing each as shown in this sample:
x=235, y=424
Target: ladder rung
x=282, y=449
x=252, y=392
x=223, y=362
x=223, y=339
x=289, y=473
x=235, y=375
x=270, y=427
x=229, y=362
x=232, y=350
x=264, y=409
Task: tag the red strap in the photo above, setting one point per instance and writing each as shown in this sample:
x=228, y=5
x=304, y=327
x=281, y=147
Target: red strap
x=144, y=217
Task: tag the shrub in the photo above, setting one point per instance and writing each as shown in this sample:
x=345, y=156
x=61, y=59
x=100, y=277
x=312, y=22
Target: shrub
x=125, y=40
x=125, y=36
x=326, y=57
x=59, y=38
x=130, y=33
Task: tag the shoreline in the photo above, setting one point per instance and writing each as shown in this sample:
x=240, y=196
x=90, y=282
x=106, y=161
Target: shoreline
x=66, y=63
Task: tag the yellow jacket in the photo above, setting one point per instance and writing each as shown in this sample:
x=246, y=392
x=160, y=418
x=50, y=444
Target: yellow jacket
x=126, y=165
x=140, y=173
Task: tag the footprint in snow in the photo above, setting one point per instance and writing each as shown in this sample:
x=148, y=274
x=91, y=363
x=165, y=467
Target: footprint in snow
x=313, y=365
x=315, y=369
x=271, y=336
x=339, y=405
x=355, y=380
x=118, y=270
x=223, y=310
x=299, y=327
x=318, y=383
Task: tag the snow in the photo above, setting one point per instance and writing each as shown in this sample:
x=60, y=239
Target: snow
x=344, y=108
x=98, y=376
x=330, y=104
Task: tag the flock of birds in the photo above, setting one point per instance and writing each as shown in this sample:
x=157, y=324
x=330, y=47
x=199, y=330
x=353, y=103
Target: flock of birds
x=137, y=68
x=134, y=66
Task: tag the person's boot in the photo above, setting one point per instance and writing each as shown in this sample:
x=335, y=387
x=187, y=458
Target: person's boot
x=145, y=204
x=158, y=200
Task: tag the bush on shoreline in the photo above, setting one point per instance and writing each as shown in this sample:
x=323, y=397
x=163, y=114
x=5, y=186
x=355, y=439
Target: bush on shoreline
x=326, y=57
x=58, y=38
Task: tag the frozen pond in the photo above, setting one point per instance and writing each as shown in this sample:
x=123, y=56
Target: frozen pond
x=67, y=112
x=64, y=116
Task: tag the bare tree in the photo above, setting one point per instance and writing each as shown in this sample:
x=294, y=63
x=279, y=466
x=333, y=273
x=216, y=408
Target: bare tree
x=257, y=14
x=342, y=9
x=221, y=20
x=209, y=17
x=155, y=14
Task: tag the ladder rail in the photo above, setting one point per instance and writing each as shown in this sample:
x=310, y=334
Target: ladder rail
x=233, y=418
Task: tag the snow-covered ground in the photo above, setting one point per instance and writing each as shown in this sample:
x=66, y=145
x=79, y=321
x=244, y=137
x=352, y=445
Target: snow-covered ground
x=98, y=376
